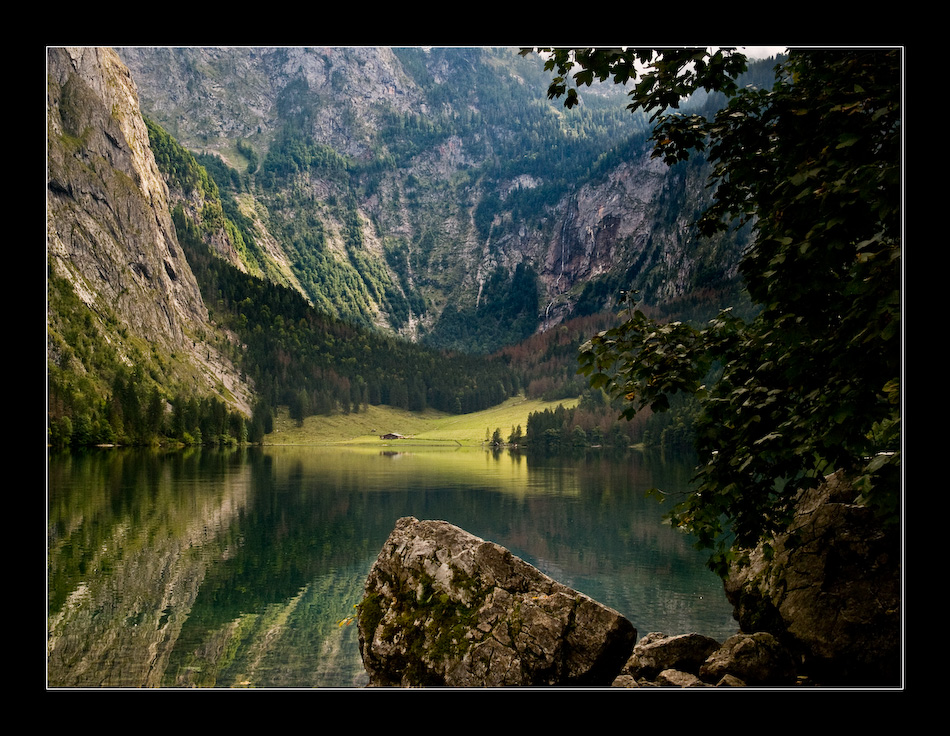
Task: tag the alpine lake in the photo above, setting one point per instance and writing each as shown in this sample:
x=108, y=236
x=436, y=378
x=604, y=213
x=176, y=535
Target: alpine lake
x=241, y=568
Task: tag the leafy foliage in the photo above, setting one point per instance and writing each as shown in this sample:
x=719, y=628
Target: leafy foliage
x=811, y=384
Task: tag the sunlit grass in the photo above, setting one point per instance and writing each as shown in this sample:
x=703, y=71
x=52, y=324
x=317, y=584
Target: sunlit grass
x=429, y=427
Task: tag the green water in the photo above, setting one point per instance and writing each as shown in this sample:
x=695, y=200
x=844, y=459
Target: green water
x=240, y=568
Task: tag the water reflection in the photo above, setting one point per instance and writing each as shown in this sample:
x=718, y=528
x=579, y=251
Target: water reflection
x=236, y=568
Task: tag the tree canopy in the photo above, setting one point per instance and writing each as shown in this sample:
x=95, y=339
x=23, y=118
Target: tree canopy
x=812, y=383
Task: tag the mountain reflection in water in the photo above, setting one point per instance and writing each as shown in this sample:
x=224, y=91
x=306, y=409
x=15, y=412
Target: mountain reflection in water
x=241, y=568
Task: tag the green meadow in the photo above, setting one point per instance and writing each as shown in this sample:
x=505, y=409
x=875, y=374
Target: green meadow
x=420, y=428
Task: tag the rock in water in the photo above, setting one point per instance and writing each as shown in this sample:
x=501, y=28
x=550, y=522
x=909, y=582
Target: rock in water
x=445, y=608
x=829, y=589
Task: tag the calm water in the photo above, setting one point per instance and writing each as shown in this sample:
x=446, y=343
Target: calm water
x=241, y=568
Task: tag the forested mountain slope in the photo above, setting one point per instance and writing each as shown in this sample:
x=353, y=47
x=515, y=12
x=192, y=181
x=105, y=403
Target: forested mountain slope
x=283, y=224
x=434, y=192
x=150, y=335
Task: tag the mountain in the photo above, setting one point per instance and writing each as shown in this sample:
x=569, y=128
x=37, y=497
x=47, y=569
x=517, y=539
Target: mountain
x=150, y=335
x=230, y=230
x=434, y=192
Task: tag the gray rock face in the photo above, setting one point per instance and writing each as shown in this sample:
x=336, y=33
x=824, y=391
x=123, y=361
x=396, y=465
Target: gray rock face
x=445, y=608
x=109, y=230
x=638, y=213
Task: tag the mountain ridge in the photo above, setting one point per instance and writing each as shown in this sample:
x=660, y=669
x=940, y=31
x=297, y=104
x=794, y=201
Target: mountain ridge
x=427, y=173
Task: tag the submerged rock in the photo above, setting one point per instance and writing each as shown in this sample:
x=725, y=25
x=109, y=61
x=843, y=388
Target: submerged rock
x=445, y=608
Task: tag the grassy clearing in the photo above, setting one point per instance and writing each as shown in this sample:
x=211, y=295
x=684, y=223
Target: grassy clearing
x=427, y=427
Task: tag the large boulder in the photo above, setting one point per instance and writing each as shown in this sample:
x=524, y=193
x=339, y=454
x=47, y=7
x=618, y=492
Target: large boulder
x=829, y=589
x=445, y=608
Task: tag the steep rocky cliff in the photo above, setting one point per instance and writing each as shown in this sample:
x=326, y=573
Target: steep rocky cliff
x=109, y=231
